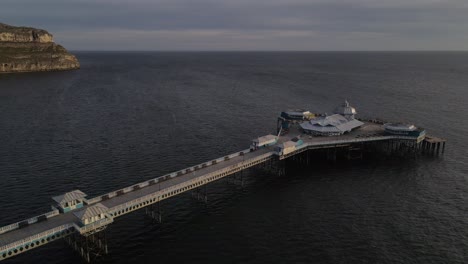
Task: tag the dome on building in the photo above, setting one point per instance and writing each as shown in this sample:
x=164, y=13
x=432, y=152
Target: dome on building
x=345, y=109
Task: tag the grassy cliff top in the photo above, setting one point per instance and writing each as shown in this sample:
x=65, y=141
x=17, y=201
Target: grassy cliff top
x=13, y=29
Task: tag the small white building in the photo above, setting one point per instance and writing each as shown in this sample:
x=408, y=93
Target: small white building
x=401, y=129
x=70, y=200
x=286, y=148
x=264, y=141
x=92, y=214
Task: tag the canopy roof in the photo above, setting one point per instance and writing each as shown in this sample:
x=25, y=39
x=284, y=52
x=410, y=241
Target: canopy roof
x=298, y=112
x=69, y=196
x=91, y=211
x=264, y=139
x=400, y=127
x=331, y=124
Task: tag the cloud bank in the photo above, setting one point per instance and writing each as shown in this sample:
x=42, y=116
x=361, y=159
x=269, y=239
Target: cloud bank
x=247, y=24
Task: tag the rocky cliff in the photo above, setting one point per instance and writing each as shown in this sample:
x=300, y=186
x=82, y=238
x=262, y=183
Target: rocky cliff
x=24, y=49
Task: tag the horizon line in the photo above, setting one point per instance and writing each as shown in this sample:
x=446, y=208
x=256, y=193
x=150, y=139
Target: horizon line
x=98, y=50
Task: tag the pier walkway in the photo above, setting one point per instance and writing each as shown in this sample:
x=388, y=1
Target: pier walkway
x=25, y=235
x=98, y=212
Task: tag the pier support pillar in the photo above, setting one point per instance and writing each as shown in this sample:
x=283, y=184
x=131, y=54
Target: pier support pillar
x=331, y=153
x=154, y=212
x=282, y=168
x=89, y=246
x=238, y=178
x=200, y=194
x=274, y=166
x=354, y=152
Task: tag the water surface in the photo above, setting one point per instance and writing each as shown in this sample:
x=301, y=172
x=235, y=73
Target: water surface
x=127, y=117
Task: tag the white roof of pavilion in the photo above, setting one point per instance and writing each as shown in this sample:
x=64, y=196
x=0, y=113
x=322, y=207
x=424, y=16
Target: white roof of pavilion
x=91, y=211
x=69, y=196
x=331, y=124
x=266, y=138
x=400, y=127
x=297, y=112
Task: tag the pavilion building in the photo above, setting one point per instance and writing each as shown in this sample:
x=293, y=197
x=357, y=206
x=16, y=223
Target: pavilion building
x=341, y=122
x=70, y=201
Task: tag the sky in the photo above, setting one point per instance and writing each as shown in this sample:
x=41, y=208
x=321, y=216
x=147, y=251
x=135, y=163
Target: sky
x=246, y=25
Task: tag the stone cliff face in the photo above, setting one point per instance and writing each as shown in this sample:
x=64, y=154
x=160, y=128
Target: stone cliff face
x=25, y=49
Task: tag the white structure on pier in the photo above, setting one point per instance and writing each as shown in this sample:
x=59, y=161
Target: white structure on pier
x=92, y=214
x=346, y=110
x=83, y=225
x=264, y=141
x=70, y=200
x=334, y=125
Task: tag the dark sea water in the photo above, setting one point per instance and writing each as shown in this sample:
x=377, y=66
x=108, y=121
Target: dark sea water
x=126, y=117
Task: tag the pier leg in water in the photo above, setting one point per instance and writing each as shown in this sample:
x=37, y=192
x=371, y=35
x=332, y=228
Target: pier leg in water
x=331, y=153
x=236, y=178
x=272, y=165
x=281, y=167
x=205, y=195
x=89, y=246
x=200, y=193
x=242, y=179
x=154, y=212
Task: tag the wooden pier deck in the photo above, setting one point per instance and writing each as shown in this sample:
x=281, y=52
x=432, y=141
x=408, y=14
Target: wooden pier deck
x=28, y=234
x=129, y=199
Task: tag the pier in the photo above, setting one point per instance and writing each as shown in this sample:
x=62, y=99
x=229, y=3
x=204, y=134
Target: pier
x=82, y=221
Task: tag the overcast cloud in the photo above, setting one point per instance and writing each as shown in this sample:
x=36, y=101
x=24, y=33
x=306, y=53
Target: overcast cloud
x=246, y=24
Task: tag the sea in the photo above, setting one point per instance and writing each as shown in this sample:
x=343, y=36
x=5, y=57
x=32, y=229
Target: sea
x=126, y=117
